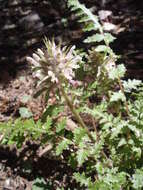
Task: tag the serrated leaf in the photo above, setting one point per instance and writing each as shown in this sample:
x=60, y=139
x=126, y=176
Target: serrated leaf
x=90, y=27
x=103, y=48
x=82, y=156
x=63, y=145
x=109, y=38
x=94, y=38
x=47, y=124
x=84, y=19
x=137, y=179
x=131, y=85
x=118, y=129
x=99, y=168
x=137, y=151
x=117, y=72
x=116, y=96
x=39, y=184
x=51, y=110
x=79, y=133
x=122, y=142
x=82, y=179
x=61, y=125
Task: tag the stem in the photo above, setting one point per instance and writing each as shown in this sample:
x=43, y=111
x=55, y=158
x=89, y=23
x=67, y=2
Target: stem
x=77, y=116
x=73, y=110
x=122, y=90
x=95, y=129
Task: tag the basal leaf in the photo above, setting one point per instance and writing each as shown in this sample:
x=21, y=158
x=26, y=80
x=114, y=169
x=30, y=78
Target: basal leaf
x=61, y=125
x=82, y=155
x=82, y=179
x=63, y=145
x=24, y=112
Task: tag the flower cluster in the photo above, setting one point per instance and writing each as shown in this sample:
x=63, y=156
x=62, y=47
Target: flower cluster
x=54, y=63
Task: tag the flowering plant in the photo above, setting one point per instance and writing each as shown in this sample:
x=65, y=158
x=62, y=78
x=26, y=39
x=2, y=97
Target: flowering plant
x=55, y=62
x=102, y=140
x=58, y=64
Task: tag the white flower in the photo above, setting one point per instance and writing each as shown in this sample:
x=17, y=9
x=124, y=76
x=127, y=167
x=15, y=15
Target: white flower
x=55, y=62
x=104, y=14
x=40, y=52
x=36, y=57
x=38, y=74
x=33, y=61
x=109, y=26
x=52, y=75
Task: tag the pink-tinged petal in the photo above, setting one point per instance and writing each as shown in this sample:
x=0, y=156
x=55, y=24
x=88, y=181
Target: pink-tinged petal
x=52, y=75
x=110, y=66
x=40, y=52
x=38, y=74
x=36, y=57
x=74, y=66
x=54, y=80
x=75, y=83
x=70, y=53
x=109, y=26
x=32, y=61
x=68, y=73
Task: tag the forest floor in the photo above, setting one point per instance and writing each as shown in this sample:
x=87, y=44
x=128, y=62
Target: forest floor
x=19, y=169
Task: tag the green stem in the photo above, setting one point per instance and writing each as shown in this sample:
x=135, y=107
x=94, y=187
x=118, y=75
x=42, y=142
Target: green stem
x=77, y=116
x=75, y=113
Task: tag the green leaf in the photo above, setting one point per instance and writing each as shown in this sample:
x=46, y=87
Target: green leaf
x=122, y=142
x=82, y=155
x=109, y=38
x=99, y=168
x=118, y=72
x=48, y=112
x=82, y=179
x=39, y=184
x=63, y=145
x=61, y=125
x=94, y=38
x=131, y=85
x=90, y=27
x=103, y=48
x=119, y=126
x=51, y=110
x=47, y=125
x=79, y=133
x=84, y=19
x=25, y=99
x=137, y=179
x=137, y=151
x=116, y=96
x=24, y=112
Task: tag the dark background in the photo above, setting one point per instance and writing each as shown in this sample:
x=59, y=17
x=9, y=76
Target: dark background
x=24, y=23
